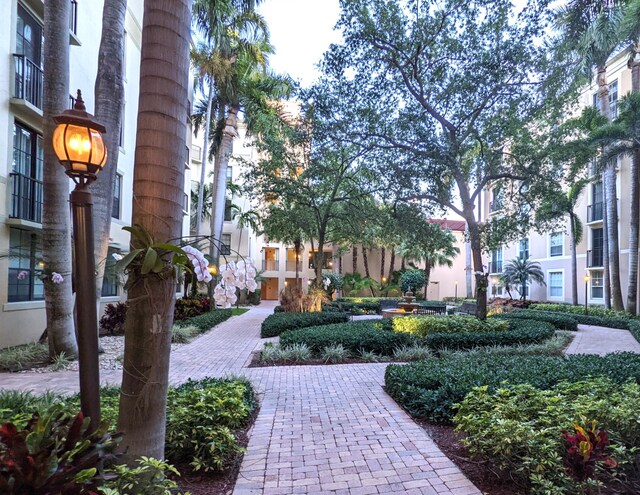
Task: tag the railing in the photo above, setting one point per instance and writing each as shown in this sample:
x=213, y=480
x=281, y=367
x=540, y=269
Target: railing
x=73, y=17
x=291, y=266
x=26, y=198
x=594, y=212
x=495, y=267
x=225, y=249
x=196, y=153
x=29, y=81
x=595, y=258
x=269, y=265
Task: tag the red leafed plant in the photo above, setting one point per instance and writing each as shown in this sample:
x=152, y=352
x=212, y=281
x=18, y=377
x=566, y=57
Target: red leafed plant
x=55, y=454
x=585, y=451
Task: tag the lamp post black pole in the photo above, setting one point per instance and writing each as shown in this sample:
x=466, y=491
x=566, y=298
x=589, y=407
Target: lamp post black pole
x=456, y=296
x=586, y=290
x=86, y=312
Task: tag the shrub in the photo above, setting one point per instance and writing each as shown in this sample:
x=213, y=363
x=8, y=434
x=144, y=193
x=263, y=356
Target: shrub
x=278, y=309
x=411, y=353
x=335, y=282
x=353, y=336
x=275, y=324
x=412, y=280
x=207, y=321
x=188, y=307
x=519, y=429
x=425, y=325
x=182, y=335
x=297, y=353
x=429, y=389
x=560, y=321
x=112, y=321
x=555, y=346
x=23, y=356
x=579, y=310
x=53, y=453
x=150, y=477
x=369, y=357
x=335, y=354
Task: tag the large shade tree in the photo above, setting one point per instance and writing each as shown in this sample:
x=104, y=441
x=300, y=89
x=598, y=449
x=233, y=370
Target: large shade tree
x=441, y=87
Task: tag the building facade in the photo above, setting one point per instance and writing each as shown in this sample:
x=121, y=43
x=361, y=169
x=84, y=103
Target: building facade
x=22, y=314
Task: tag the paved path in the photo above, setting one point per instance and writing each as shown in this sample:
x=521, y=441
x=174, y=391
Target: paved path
x=599, y=340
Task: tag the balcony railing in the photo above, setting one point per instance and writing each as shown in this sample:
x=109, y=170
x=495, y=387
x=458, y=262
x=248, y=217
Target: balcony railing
x=29, y=81
x=73, y=17
x=291, y=266
x=595, y=258
x=269, y=265
x=225, y=249
x=495, y=267
x=594, y=212
x=26, y=198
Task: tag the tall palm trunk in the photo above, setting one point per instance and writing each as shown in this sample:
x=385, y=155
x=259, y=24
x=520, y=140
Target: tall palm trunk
x=392, y=265
x=611, y=206
x=367, y=273
x=157, y=207
x=205, y=159
x=605, y=250
x=634, y=221
x=354, y=259
x=296, y=245
x=220, y=187
x=109, y=96
x=56, y=233
x=403, y=264
x=382, y=262
x=574, y=260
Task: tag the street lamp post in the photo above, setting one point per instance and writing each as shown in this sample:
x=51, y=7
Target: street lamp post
x=456, y=296
x=586, y=292
x=78, y=144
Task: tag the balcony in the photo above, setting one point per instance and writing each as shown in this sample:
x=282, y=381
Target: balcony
x=595, y=258
x=73, y=24
x=495, y=267
x=269, y=265
x=26, y=198
x=28, y=81
x=595, y=212
x=291, y=266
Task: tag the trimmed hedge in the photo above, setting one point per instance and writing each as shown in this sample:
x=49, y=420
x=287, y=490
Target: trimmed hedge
x=560, y=321
x=208, y=320
x=430, y=389
x=370, y=336
x=277, y=323
x=579, y=310
x=422, y=326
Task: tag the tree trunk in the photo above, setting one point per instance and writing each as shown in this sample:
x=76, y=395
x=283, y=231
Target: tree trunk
x=157, y=207
x=605, y=249
x=220, y=197
x=574, y=260
x=427, y=276
x=296, y=246
x=382, y=262
x=468, y=269
x=109, y=97
x=392, y=265
x=56, y=233
x=205, y=159
x=365, y=260
x=634, y=222
x=403, y=264
x=354, y=259
x=481, y=276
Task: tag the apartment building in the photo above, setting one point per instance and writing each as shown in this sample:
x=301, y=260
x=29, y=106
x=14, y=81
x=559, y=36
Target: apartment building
x=552, y=250
x=22, y=314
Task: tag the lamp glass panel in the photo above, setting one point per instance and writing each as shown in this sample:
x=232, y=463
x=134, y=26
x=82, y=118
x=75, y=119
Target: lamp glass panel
x=58, y=142
x=99, y=155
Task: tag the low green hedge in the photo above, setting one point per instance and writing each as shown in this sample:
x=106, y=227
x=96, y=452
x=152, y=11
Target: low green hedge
x=208, y=320
x=430, y=389
x=518, y=430
x=368, y=335
x=275, y=324
x=421, y=326
x=520, y=332
x=558, y=320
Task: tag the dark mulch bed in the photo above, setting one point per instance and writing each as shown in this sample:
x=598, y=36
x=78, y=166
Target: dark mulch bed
x=479, y=473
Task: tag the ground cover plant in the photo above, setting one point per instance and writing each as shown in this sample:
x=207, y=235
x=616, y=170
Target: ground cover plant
x=558, y=320
x=430, y=389
x=275, y=324
x=518, y=431
x=24, y=356
x=422, y=326
x=206, y=321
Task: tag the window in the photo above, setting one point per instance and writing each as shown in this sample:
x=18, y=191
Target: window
x=613, y=99
x=523, y=251
x=229, y=175
x=556, y=241
x=595, y=208
x=595, y=256
x=228, y=211
x=28, y=158
x=597, y=285
x=117, y=196
x=121, y=131
x=225, y=247
x=110, y=280
x=495, y=265
x=498, y=199
x=25, y=266
x=327, y=261
x=29, y=36
x=556, y=284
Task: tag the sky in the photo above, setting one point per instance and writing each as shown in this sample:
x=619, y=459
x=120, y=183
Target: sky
x=301, y=31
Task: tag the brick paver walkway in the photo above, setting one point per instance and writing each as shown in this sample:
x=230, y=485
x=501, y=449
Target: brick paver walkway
x=600, y=340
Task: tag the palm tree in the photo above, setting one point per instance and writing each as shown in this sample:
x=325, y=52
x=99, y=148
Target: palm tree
x=519, y=272
x=206, y=201
x=56, y=233
x=158, y=191
x=247, y=218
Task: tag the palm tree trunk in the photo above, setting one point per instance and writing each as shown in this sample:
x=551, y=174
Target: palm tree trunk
x=219, y=199
x=634, y=221
x=392, y=265
x=403, y=264
x=56, y=233
x=109, y=96
x=205, y=159
x=605, y=249
x=574, y=261
x=365, y=260
x=354, y=259
x=296, y=246
x=158, y=191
